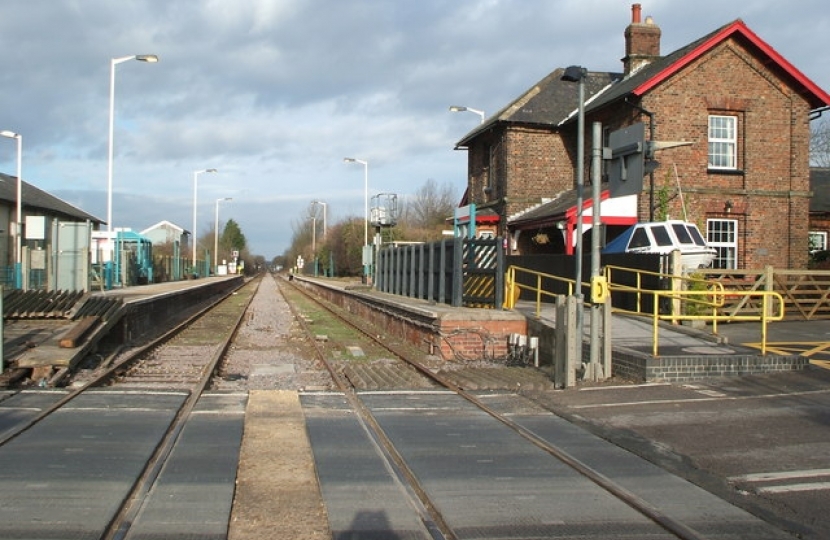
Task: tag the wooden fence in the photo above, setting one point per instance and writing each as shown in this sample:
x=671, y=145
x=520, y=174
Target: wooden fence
x=806, y=293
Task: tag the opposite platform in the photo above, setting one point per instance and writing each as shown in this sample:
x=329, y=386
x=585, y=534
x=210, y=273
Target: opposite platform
x=465, y=334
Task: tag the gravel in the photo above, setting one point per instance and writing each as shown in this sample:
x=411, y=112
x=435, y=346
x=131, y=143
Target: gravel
x=271, y=351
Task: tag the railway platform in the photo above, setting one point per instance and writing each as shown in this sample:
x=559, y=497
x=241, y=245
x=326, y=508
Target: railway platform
x=461, y=334
x=40, y=341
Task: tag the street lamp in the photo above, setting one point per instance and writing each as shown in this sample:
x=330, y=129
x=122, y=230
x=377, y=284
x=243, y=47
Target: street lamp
x=577, y=74
x=18, y=259
x=457, y=108
x=314, y=240
x=314, y=247
x=325, y=207
x=365, y=208
x=216, y=234
x=195, y=201
x=151, y=58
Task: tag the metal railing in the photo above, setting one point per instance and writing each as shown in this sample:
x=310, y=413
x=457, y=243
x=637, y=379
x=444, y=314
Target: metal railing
x=689, y=298
x=683, y=298
x=456, y=271
x=518, y=279
x=639, y=287
x=715, y=301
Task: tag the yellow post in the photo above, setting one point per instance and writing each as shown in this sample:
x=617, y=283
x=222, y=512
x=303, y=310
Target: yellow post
x=764, y=313
x=655, y=308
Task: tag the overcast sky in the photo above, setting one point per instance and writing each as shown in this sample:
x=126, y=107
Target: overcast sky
x=275, y=93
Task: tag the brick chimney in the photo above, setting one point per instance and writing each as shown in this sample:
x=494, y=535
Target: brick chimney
x=642, y=41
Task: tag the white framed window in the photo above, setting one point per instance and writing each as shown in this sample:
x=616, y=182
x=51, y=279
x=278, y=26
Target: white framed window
x=723, y=142
x=817, y=241
x=722, y=234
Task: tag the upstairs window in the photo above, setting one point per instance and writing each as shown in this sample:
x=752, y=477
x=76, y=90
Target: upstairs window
x=818, y=241
x=723, y=142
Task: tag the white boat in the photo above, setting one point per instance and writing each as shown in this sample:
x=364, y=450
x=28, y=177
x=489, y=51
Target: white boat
x=663, y=237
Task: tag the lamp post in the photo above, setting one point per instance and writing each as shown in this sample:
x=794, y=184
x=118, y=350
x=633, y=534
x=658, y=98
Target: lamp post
x=151, y=58
x=596, y=223
x=18, y=258
x=314, y=241
x=325, y=207
x=216, y=234
x=458, y=108
x=195, y=203
x=365, y=208
x=577, y=74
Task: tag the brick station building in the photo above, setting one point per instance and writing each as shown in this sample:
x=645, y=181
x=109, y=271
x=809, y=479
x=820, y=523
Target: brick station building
x=744, y=179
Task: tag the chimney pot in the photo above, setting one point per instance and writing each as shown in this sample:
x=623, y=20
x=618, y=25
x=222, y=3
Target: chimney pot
x=642, y=41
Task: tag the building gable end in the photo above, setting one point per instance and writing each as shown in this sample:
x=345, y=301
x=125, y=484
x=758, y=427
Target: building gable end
x=814, y=94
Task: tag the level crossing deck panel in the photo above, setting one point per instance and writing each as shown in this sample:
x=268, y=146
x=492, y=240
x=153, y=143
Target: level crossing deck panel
x=195, y=490
x=363, y=498
x=65, y=477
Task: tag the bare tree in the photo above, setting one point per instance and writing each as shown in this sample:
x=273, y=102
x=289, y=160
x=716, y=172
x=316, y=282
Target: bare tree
x=820, y=143
x=431, y=205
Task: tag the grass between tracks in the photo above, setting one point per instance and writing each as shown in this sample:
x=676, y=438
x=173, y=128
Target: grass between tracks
x=341, y=341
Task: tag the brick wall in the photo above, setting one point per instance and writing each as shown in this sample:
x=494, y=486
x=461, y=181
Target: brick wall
x=523, y=166
x=770, y=190
x=537, y=166
x=457, y=334
x=694, y=368
x=475, y=340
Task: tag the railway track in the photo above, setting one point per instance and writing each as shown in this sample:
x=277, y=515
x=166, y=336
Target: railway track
x=400, y=358
x=181, y=361
x=362, y=363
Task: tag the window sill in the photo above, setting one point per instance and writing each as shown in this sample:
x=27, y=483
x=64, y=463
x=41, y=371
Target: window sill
x=726, y=172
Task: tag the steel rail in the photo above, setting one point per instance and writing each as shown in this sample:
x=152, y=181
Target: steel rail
x=123, y=520
x=675, y=527
x=429, y=514
x=111, y=371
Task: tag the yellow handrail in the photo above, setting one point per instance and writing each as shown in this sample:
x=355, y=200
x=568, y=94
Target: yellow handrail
x=709, y=295
x=513, y=287
x=764, y=317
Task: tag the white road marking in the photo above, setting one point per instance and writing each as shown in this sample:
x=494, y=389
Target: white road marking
x=807, y=474
x=784, y=475
x=792, y=488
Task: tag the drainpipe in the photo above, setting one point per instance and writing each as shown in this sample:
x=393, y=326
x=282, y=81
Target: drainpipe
x=652, y=133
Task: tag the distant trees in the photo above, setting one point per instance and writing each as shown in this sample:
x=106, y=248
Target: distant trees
x=231, y=238
x=423, y=217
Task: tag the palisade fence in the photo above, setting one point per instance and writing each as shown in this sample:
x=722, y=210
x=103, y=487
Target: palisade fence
x=456, y=271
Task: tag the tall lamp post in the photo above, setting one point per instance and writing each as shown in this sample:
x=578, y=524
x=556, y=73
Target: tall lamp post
x=18, y=258
x=325, y=207
x=577, y=74
x=195, y=203
x=314, y=241
x=596, y=223
x=151, y=58
x=216, y=234
x=458, y=108
x=365, y=208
